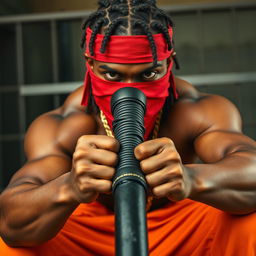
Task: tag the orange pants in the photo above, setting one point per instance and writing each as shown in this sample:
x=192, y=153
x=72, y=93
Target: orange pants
x=185, y=228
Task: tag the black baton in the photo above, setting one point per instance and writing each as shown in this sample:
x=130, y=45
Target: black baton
x=129, y=185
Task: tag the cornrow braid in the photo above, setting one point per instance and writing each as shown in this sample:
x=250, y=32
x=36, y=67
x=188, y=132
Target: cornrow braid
x=119, y=2
x=118, y=8
x=141, y=7
x=137, y=2
x=109, y=32
x=92, y=17
x=157, y=25
x=149, y=34
x=103, y=3
x=87, y=22
x=95, y=31
x=158, y=14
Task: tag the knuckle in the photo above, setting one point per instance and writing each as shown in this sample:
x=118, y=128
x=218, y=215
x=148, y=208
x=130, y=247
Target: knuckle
x=82, y=139
x=171, y=156
x=178, y=186
x=167, y=141
x=143, y=165
x=169, y=173
x=114, y=144
x=177, y=190
x=172, y=172
x=77, y=155
x=86, y=141
x=177, y=172
x=157, y=192
x=114, y=160
x=82, y=170
x=110, y=173
x=81, y=154
x=176, y=193
x=168, y=156
x=140, y=150
x=106, y=187
x=79, y=170
x=86, y=186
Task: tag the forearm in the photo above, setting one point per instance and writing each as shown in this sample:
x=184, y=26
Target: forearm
x=229, y=185
x=32, y=214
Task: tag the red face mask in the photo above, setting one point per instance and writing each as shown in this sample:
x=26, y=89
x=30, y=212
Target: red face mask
x=155, y=91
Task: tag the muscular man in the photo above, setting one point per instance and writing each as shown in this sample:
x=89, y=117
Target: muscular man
x=60, y=202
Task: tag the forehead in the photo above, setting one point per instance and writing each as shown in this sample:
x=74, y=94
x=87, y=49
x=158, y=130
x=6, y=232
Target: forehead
x=135, y=66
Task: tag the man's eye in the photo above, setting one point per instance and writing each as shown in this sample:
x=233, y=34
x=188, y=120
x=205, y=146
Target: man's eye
x=150, y=75
x=111, y=75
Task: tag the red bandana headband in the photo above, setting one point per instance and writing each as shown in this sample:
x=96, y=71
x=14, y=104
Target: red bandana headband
x=128, y=49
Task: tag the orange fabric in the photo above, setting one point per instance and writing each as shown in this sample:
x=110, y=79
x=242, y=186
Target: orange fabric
x=185, y=228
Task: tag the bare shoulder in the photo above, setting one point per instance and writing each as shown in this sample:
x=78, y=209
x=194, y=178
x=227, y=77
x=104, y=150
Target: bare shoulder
x=57, y=131
x=204, y=112
x=51, y=140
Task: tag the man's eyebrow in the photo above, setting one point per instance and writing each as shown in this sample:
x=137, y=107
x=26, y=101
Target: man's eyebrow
x=115, y=71
x=108, y=68
x=150, y=68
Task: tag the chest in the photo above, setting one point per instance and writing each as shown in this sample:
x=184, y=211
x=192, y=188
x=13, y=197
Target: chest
x=177, y=131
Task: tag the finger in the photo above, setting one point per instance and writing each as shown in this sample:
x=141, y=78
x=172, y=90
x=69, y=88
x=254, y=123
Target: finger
x=165, y=175
x=95, y=171
x=151, y=147
x=88, y=185
x=173, y=190
x=95, y=155
x=167, y=157
x=99, y=141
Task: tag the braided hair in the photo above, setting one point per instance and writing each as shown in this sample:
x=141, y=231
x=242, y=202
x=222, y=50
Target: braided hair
x=128, y=17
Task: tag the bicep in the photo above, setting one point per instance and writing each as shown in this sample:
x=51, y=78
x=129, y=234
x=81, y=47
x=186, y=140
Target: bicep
x=50, y=143
x=220, y=132
x=215, y=145
x=46, y=160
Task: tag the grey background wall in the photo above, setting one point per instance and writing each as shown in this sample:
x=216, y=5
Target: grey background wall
x=39, y=6
x=42, y=53
x=59, y=5
x=8, y=7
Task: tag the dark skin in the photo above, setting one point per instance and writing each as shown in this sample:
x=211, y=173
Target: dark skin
x=72, y=161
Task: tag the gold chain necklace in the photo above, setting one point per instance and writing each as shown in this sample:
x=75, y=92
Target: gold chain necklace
x=154, y=136
x=110, y=133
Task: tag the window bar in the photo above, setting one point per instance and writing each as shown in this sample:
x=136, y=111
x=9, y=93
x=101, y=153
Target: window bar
x=55, y=60
x=234, y=39
x=237, y=66
x=54, y=44
x=20, y=57
x=21, y=99
x=56, y=100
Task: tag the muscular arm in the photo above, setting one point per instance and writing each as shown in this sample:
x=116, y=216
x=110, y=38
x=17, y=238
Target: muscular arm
x=38, y=200
x=37, y=193
x=227, y=178
x=211, y=126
